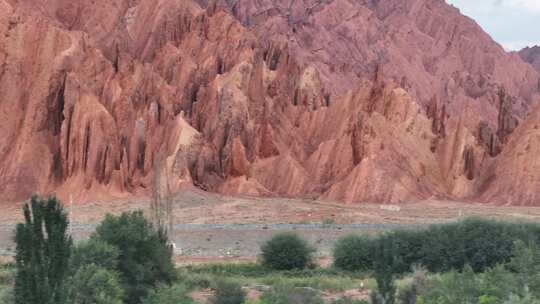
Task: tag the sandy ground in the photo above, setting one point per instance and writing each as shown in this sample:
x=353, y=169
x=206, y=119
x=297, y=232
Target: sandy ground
x=198, y=207
x=212, y=227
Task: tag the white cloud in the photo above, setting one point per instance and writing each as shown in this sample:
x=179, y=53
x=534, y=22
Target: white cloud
x=513, y=23
x=533, y=5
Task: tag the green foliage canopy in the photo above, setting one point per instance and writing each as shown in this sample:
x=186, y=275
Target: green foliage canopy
x=145, y=259
x=286, y=251
x=93, y=284
x=42, y=253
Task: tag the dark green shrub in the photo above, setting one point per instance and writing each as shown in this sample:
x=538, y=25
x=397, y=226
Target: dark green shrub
x=493, y=286
x=286, y=251
x=291, y=295
x=228, y=293
x=480, y=243
x=525, y=263
x=354, y=253
x=92, y=284
x=96, y=252
x=94, y=277
x=197, y=281
x=42, y=254
x=177, y=294
x=409, y=248
x=145, y=260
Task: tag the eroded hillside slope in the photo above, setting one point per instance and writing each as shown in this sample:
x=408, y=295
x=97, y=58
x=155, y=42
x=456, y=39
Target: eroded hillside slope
x=95, y=95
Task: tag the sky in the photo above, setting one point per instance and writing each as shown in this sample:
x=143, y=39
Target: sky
x=515, y=24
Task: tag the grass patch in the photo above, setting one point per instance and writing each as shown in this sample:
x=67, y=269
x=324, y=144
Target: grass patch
x=319, y=282
x=325, y=279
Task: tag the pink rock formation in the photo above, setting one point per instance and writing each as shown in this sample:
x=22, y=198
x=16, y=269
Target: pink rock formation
x=347, y=101
x=532, y=56
x=514, y=177
x=425, y=45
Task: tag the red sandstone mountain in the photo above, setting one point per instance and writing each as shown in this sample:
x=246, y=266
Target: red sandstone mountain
x=427, y=46
x=387, y=101
x=532, y=56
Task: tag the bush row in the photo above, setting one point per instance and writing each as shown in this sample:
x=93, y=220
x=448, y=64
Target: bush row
x=439, y=248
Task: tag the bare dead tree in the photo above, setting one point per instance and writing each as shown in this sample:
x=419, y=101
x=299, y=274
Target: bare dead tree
x=155, y=214
x=161, y=204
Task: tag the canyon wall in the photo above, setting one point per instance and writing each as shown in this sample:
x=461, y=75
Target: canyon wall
x=373, y=101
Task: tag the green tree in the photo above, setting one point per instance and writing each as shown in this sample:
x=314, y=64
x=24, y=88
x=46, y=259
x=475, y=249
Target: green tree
x=476, y=242
x=286, y=251
x=354, y=253
x=94, y=279
x=491, y=287
x=526, y=264
x=145, y=259
x=93, y=284
x=94, y=251
x=42, y=253
x=385, y=264
x=497, y=282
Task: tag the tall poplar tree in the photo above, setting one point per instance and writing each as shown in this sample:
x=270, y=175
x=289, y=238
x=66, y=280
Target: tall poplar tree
x=42, y=254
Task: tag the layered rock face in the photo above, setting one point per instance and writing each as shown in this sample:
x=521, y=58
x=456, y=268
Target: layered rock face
x=532, y=56
x=425, y=45
x=513, y=178
x=95, y=94
x=390, y=101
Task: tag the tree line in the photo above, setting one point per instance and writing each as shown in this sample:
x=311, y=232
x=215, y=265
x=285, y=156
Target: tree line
x=128, y=260
x=124, y=259
x=479, y=243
